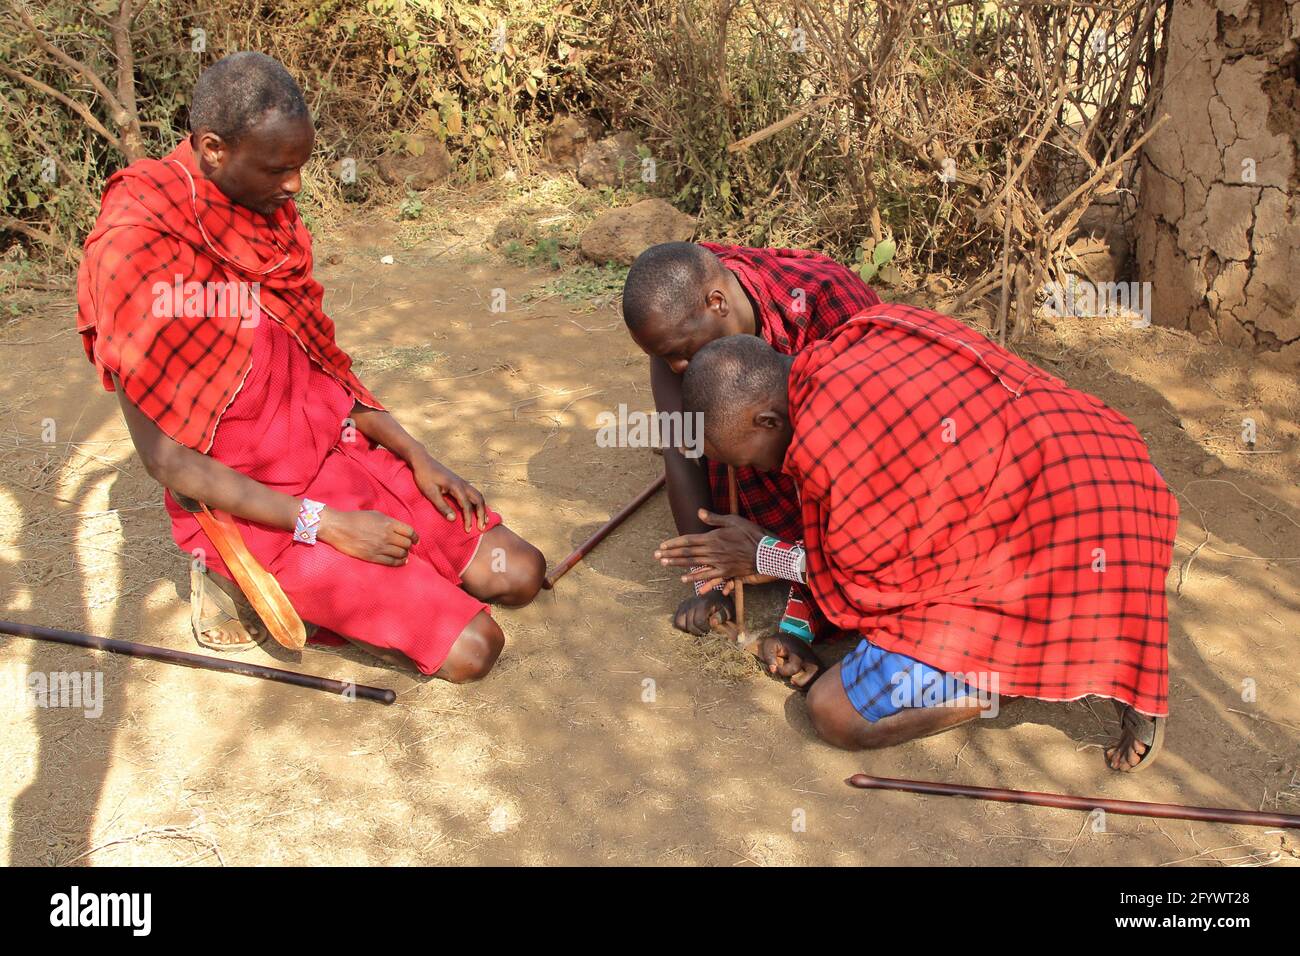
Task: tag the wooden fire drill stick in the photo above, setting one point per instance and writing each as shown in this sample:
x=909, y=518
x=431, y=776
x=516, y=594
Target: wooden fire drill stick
x=739, y=591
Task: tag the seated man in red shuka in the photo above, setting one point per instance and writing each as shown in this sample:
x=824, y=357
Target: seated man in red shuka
x=243, y=400
x=985, y=529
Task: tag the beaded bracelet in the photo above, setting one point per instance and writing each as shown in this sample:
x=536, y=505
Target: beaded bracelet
x=780, y=559
x=308, y=523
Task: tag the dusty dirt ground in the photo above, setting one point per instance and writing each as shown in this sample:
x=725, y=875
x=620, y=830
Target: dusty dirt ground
x=562, y=756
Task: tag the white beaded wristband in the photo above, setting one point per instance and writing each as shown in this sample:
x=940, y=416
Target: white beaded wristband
x=780, y=559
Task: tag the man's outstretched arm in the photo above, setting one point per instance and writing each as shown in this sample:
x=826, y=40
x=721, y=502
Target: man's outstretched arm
x=688, y=480
x=688, y=495
x=367, y=535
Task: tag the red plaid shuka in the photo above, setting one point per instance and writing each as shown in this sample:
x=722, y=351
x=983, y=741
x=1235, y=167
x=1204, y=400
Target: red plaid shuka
x=965, y=508
x=166, y=246
x=799, y=298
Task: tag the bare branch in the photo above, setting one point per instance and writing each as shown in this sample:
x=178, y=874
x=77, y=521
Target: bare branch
x=122, y=108
x=79, y=108
x=89, y=75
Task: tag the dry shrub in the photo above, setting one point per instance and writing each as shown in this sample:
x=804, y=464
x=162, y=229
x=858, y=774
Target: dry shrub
x=841, y=125
x=373, y=71
x=968, y=137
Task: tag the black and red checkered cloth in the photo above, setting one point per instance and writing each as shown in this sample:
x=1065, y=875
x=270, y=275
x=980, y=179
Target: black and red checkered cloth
x=965, y=508
x=799, y=297
x=162, y=223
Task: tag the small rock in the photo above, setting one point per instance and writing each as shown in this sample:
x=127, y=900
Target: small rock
x=520, y=226
x=1211, y=466
x=386, y=260
x=568, y=138
x=938, y=284
x=501, y=819
x=424, y=163
x=614, y=161
x=620, y=235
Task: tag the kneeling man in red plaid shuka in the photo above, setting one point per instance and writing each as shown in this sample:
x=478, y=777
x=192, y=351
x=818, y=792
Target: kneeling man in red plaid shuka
x=988, y=531
x=680, y=296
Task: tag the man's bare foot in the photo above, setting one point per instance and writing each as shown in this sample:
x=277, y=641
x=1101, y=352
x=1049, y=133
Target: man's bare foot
x=1140, y=740
x=699, y=614
x=215, y=619
x=788, y=657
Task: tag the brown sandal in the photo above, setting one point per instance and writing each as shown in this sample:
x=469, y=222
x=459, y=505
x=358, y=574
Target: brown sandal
x=226, y=616
x=1135, y=727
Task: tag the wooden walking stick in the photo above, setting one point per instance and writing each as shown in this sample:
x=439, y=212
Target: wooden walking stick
x=381, y=695
x=563, y=568
x=1066, y=801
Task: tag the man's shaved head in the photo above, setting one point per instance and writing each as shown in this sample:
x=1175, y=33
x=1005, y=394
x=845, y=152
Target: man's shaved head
x=666, y=284
x=238, y=91
x=251, y=130
x=740, y=385
x=679, y=297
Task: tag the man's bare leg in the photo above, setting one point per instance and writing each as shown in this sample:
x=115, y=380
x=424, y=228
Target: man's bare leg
x=475, y=651
x=838, y=722
x=471, y=658
x=505, y=570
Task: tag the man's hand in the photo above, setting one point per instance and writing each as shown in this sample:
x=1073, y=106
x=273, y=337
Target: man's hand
x=697, y=613
x=368, y=535
x=726, y=552
x=432, y=478
x=436, y=481
x=789, y=657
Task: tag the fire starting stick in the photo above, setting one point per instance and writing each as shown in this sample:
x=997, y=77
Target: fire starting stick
x=1066, y=801
x=739, y=591
x=563, y=568
x=381, y=695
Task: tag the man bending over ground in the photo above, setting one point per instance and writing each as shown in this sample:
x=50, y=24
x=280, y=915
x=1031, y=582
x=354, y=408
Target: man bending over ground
x=196, y=302
x=679, y=297
x=975, y=520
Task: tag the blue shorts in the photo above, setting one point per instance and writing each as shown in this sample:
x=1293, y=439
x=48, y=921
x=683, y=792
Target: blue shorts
x=881, y=683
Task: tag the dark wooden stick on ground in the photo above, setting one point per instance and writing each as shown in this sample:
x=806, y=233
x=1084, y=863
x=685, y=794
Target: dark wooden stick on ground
x=563, y=568
x=381, y=695
x=1065, y=801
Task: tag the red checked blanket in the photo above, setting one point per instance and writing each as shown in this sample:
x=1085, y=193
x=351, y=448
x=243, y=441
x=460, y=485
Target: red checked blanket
x=965, y=508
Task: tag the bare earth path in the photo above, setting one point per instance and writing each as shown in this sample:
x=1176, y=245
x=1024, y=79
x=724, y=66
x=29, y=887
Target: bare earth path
x=604, y=736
